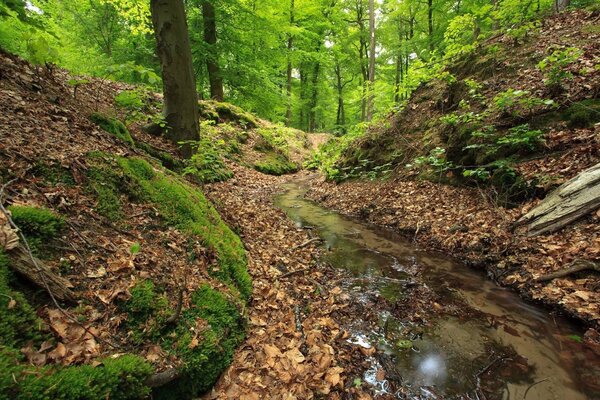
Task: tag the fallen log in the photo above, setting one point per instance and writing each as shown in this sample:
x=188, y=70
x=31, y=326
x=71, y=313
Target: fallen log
x=162, y=378
x=35, y=271
x=571, y=201
x=575, y=266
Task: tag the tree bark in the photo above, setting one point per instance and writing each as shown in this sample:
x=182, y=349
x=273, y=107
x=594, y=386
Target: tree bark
x=370, y=103
x=290, y=45
x=212, y=58
x=341, y=113
x=173, y=48
x=430, y=23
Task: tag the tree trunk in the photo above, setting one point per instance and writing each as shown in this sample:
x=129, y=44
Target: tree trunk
x=572, y=200
x=371, y=60
x=290, y=45
x=430, y=23
x=173, y=47
x=340, y=120
x=212, y=58
x=314, y=97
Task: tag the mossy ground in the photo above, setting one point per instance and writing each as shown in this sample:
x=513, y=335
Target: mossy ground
x=39, y=225
x=120, y=378
x=274, y=163
x=205, y=353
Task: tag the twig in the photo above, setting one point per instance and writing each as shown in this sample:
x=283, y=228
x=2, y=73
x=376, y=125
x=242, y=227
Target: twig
x=173, y=318
x=306, y=243
x=532, y=385
x=298, y=271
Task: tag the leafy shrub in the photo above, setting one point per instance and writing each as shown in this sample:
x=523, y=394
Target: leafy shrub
x=520, y=102
x=436, y=160
x=521, y=137
x=554, y=66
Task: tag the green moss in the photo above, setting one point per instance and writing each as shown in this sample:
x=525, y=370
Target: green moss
x=583, y=114
x=275, y=164
x=103, y=180
x=37, y=224
x=113, y=126
x=120, y=378
x=167, y=160
x=144, y=300
x=18, y=321
x=53, y=174
x=185, y=207
x=203, y=363
x=37, y=221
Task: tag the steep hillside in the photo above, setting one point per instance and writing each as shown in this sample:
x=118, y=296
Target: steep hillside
x=479, y=146
x=126, y=269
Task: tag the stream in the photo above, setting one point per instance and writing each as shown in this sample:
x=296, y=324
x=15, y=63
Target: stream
x=474, y=339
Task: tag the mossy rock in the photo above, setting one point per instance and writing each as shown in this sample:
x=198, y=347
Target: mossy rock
x=113, y=126
x=216, y=344
x=185, y=207
x=275, y=164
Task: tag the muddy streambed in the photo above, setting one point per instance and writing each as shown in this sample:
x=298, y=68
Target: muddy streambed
x=441, y=329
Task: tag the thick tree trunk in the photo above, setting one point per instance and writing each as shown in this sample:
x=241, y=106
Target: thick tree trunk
x=290, y=45
x=212, y=59
x=572, y=200
x=371, y=88
x=179, y=87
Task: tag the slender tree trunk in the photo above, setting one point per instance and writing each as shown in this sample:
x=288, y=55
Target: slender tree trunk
x=340, y=120
x=212, y=59
x=399, y=64
x=173, y=48
x=312, y=116
x=430, y=23
x=290, y=45
x=371, y=85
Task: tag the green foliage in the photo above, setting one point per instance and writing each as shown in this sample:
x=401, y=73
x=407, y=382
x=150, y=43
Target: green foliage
x=216, y=344
x=520, y=102
x=522, y=31
x=39, y=51
x=435, y=160
x=459, y=35
x=521, y=137
x=555, y=66
x=185, y=207
x=134, y=73
x=207, y=162
x=114, y=126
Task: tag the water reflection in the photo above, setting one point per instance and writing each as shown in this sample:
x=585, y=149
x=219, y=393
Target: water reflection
x=448, y=358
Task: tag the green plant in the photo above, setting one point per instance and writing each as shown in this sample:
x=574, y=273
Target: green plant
x=436, y=159
x=519, y=103
x=555, y=66
x=521, y=137
x=520, y=33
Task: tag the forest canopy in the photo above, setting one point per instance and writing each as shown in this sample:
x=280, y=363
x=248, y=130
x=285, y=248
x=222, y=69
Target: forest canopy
x=304, y=63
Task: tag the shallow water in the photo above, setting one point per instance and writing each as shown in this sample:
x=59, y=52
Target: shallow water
x=529, y=353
